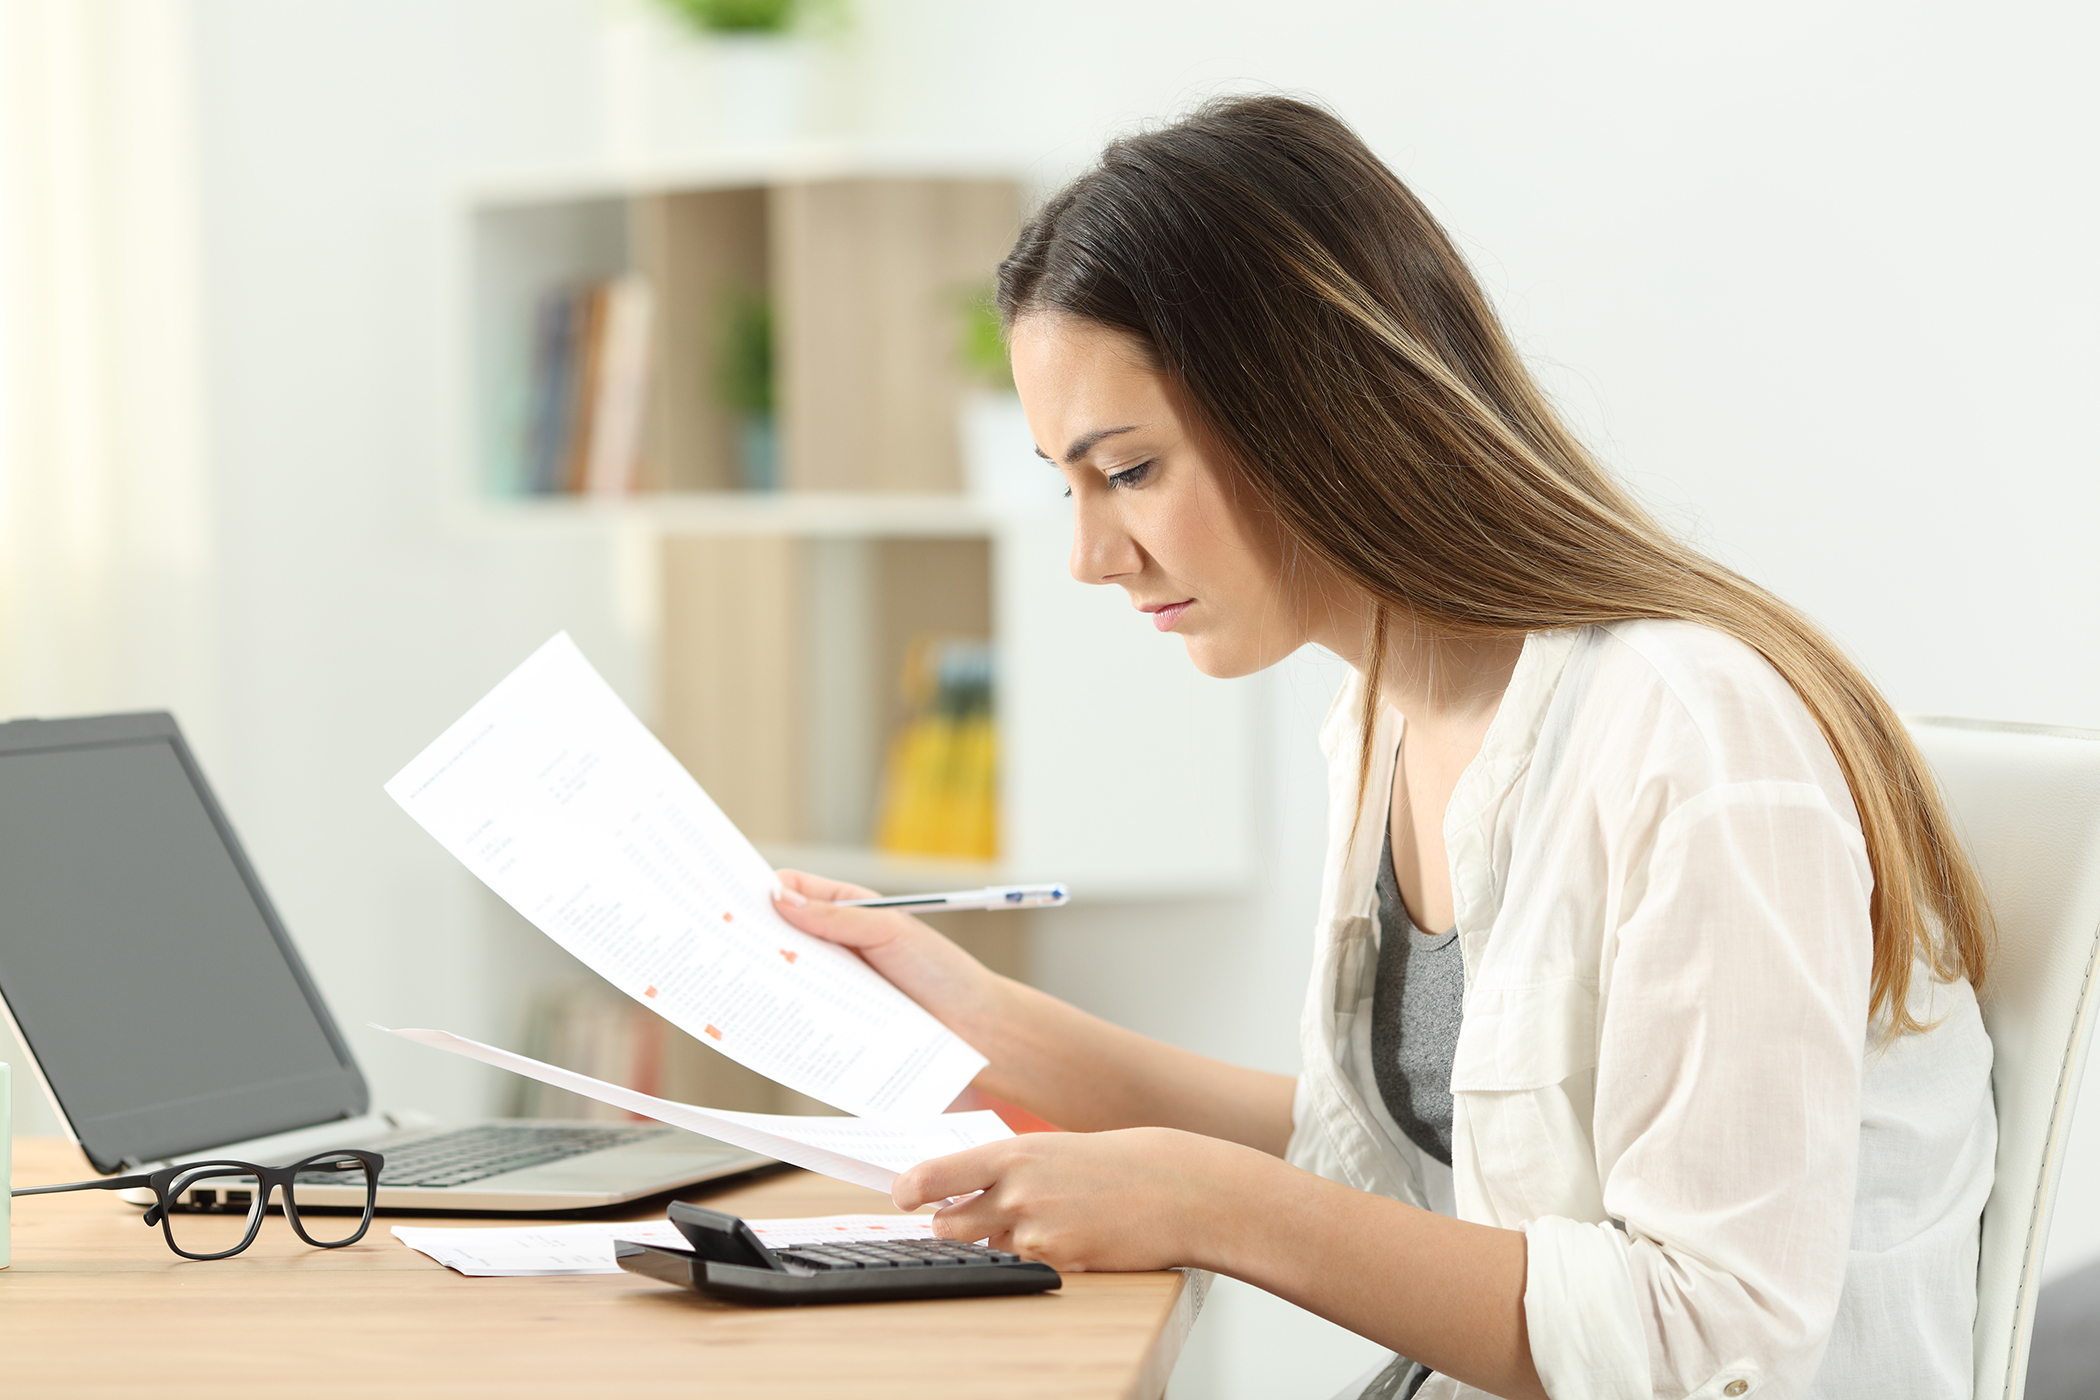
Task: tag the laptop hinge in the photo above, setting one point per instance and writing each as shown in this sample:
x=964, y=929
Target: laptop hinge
x=279, y=1149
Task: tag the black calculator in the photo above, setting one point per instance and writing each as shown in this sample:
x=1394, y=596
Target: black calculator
x=727, y=1260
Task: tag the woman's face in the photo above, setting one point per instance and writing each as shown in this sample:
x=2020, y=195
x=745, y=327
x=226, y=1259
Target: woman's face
x=1152, y=511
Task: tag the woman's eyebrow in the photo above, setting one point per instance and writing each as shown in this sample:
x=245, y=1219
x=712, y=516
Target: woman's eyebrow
x=1087, y=442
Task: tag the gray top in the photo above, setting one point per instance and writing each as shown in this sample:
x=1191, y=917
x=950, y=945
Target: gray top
x=1415, y=1014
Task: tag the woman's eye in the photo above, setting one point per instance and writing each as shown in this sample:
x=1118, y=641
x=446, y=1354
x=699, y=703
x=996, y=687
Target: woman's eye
x=1130, y=476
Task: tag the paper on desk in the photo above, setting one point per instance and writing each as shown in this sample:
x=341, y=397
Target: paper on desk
x=546, y=1249
x=499, y=1252
x=563, y=803
x=865, y=1151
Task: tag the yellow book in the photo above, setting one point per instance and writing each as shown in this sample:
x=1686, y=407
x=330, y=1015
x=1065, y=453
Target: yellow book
x=940, y=791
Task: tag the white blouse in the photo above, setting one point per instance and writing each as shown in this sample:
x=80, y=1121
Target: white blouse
x=1731, y=1185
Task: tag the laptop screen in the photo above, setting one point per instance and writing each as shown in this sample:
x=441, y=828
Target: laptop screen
x=141, y=960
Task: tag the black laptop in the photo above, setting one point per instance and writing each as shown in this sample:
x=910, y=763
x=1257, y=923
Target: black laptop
x=169, y=1017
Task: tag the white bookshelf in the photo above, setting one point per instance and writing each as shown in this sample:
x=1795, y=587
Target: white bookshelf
x=810, y=514
x=1123, y=771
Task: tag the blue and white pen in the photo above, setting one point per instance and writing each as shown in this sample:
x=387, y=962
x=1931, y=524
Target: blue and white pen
x=996, y=897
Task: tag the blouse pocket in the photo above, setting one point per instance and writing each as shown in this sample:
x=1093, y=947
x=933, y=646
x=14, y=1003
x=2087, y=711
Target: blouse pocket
x=1355, y=964
x=1516, y=1038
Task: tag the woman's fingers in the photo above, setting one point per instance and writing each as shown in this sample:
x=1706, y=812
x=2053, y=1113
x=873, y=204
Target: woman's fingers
x=915, y=958
x=819, y=887
x=815, y=914
x=806, y=901
x=974, y=1219
x=943, y=1178
x=1134, y=1198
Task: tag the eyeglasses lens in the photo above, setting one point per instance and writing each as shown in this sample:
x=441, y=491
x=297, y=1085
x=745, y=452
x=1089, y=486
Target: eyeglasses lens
x=213, y=1211
x=330, y=1194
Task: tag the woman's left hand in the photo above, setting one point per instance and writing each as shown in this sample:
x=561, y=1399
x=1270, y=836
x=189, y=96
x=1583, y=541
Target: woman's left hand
x=1135, y=1198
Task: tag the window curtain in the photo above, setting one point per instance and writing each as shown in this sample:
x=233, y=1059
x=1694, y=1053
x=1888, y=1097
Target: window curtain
x=105, y=521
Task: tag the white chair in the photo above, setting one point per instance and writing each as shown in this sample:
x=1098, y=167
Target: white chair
x=2027, y=801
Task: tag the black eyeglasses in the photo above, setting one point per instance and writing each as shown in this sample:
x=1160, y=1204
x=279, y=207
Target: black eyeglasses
x=211, y=1210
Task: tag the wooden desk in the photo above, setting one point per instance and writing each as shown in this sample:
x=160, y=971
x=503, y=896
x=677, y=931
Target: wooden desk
x=96, y=1305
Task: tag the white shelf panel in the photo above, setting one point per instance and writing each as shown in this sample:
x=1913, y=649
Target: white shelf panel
x=807, y=513
x=734, y=167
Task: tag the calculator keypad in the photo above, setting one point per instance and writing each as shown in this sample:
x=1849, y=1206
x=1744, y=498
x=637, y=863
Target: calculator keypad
x=893, y=1254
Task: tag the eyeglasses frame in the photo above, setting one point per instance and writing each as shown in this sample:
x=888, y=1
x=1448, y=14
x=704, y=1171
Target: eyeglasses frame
x=163, y=1184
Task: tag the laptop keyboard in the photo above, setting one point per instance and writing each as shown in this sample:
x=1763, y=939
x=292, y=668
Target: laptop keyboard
x=491, y=1149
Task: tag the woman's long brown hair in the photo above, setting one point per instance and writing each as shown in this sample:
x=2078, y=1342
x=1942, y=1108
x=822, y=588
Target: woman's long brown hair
x=1331, y=338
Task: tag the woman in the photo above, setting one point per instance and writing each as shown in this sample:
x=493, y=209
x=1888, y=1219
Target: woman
x=1642, y=1054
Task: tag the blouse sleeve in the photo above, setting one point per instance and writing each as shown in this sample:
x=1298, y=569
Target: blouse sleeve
x=1730, y=1058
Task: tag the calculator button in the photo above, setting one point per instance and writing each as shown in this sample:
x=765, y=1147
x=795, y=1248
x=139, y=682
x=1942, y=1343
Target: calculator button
x=896, y=1254
x=820, y=1259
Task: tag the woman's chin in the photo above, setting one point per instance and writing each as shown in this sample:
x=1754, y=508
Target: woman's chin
x=1222, y=663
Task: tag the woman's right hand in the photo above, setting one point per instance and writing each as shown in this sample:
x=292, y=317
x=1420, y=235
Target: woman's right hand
x=916, y=958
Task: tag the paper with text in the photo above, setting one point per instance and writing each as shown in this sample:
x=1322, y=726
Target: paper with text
x=564, y=804
x=865, y=1151
x=509, y=1252
x=536, y=1250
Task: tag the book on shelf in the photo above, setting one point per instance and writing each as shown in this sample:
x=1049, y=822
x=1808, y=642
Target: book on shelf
x=589, y=387
x=940, y=792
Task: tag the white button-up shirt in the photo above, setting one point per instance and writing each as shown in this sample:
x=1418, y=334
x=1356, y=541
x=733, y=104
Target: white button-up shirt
x=1730, y=1184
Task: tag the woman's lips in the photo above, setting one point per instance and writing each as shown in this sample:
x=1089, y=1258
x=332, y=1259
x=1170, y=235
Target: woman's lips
x=1165, y=617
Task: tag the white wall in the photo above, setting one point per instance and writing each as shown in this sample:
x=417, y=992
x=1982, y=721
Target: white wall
x=1818, y=277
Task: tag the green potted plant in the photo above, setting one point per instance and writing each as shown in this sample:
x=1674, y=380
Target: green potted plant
x=700, y=75
x=981, y=346
x=1000, y=465
x=744, y=385
x=735, y=16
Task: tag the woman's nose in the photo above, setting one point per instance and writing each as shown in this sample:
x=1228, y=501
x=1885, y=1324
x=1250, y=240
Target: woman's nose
x=1102, y=551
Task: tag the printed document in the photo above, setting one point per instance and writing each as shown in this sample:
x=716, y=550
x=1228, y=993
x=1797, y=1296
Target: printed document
x=554, y=794
x=505, y=1252
x=865, y=1151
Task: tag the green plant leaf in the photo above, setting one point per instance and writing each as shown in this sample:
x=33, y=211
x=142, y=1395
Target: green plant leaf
x=982, y=345
x=744, y=353
x=735, y=16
